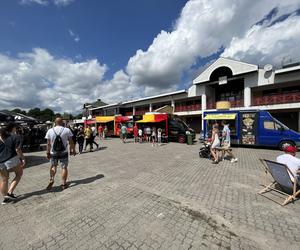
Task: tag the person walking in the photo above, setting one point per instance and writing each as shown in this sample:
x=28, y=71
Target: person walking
x=80, y=139
x=123, y=133
x=135, y=133
x=105, y=130
x=226, y=141
x=159, y=132
x=215, y=142
x=140, y=135
x=88, y=135
x=11, y=160
x=94, y=134
x=100, y=132
x=153, y=137
x=148, y=133
x=58, y=139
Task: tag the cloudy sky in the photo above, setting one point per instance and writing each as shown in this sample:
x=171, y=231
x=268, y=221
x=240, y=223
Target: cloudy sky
x=63, y=53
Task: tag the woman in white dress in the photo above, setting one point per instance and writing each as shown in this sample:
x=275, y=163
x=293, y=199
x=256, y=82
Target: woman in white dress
x=215, y=142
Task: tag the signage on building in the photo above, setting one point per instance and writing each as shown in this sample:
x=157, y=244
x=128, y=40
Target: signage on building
x=222, y=80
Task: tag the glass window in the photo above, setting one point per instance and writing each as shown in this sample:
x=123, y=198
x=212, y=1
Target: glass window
x=269, y=125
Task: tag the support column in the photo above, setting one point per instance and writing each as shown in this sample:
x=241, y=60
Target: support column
x=133, y=110
x=247, y=97
x=203, y=108
x=203, y=102
x=173, y=105
x=150, y=107
x=298, y=121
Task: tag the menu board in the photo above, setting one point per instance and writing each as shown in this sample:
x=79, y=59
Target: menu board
x=248, y=128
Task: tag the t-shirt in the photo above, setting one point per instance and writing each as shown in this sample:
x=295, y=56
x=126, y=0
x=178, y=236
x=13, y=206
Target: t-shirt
x=292, y=162
x=148, y=131
x=140, y=132
x=8, y=148
x=100, y=129
x=94, y=131
x=88, y=132
x=159, y=133
x=123, y=129
x=226, y=131
x=64, y=133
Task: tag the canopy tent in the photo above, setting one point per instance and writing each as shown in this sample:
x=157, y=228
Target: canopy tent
x=104, y=119
x=150, y=118
x=89, y=122
x=6, y=117
x=123, y=118
x=225, y=116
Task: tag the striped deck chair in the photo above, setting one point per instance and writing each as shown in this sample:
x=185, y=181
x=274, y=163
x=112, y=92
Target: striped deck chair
x=280, y=174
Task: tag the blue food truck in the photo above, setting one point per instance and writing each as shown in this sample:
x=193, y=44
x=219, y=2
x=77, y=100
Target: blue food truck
x=252, y=127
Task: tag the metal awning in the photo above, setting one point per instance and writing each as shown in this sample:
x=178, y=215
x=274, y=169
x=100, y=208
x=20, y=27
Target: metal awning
x=220, y=116
x=104, y=119
x=153, y=118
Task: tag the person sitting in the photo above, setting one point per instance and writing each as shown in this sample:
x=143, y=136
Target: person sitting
x=291, y=161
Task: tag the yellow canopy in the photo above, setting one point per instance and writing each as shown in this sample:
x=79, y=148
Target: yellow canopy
x=147, y=118
x=220, y=117
x=104, y=119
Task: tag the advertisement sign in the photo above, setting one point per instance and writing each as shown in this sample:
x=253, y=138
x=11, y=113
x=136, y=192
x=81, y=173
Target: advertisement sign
x=248, y=128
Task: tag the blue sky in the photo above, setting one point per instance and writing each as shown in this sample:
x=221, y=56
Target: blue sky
x=63, y=53
x=109, y=30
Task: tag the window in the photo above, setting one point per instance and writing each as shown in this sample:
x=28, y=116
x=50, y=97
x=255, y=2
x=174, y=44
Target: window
x=272, y=125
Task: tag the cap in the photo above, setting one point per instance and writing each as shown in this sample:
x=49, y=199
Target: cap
x=290, y=149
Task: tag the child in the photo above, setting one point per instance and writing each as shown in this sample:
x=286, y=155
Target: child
x=159, y=131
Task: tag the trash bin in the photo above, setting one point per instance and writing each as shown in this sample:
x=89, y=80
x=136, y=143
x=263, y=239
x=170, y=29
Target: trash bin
x=189, y=138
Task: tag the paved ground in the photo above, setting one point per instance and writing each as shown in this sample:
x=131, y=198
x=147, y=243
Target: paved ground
x=134, y=196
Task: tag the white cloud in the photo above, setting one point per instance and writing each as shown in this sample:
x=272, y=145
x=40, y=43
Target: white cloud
x=203, y=28
x=74, y=36
x=267, y=44
x=39, y=79
x=59, y=3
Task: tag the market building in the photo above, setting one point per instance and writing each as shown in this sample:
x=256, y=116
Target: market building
x=246, y=86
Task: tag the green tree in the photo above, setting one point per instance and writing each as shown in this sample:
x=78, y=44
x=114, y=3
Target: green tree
x=19, y=111
x=35, y=112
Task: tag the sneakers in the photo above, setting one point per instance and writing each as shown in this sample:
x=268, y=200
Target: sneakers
x=8, y=198
x=6, y=201
x=11, y=197
x=234, y=160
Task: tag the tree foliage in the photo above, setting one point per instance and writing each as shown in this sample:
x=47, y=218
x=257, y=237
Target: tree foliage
x=44, y=115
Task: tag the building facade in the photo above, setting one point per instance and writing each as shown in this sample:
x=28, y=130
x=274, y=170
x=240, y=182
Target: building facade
x=245, y=86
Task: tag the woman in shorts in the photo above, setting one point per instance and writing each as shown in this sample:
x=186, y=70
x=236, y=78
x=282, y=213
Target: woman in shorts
x=11, y=160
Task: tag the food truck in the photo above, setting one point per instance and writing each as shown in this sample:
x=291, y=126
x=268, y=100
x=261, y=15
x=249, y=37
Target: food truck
x=114, y=124
x=252, y=127
x=173, y=128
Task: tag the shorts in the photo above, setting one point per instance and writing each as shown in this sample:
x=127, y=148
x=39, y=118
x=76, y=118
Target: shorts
x=64, y=162
x=226, y=144
x=11, y=163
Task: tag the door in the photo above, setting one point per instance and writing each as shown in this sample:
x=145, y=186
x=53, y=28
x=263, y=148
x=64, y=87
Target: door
x=270, y=132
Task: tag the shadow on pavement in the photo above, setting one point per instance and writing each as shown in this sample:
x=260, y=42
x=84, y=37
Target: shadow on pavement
x=57, y=189
x=33, y=160
x=86, y=180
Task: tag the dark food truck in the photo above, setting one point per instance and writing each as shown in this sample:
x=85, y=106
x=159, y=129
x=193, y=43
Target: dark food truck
x=252, y=127
x=174, y=129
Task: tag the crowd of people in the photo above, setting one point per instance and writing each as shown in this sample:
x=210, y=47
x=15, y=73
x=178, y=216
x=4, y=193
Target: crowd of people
x=61, y=143
x=146, y=134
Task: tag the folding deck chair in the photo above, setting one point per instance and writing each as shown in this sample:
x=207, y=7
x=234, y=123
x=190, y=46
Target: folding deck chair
x=280, y=174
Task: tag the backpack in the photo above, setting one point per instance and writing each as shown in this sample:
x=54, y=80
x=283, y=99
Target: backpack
x=58, y=145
